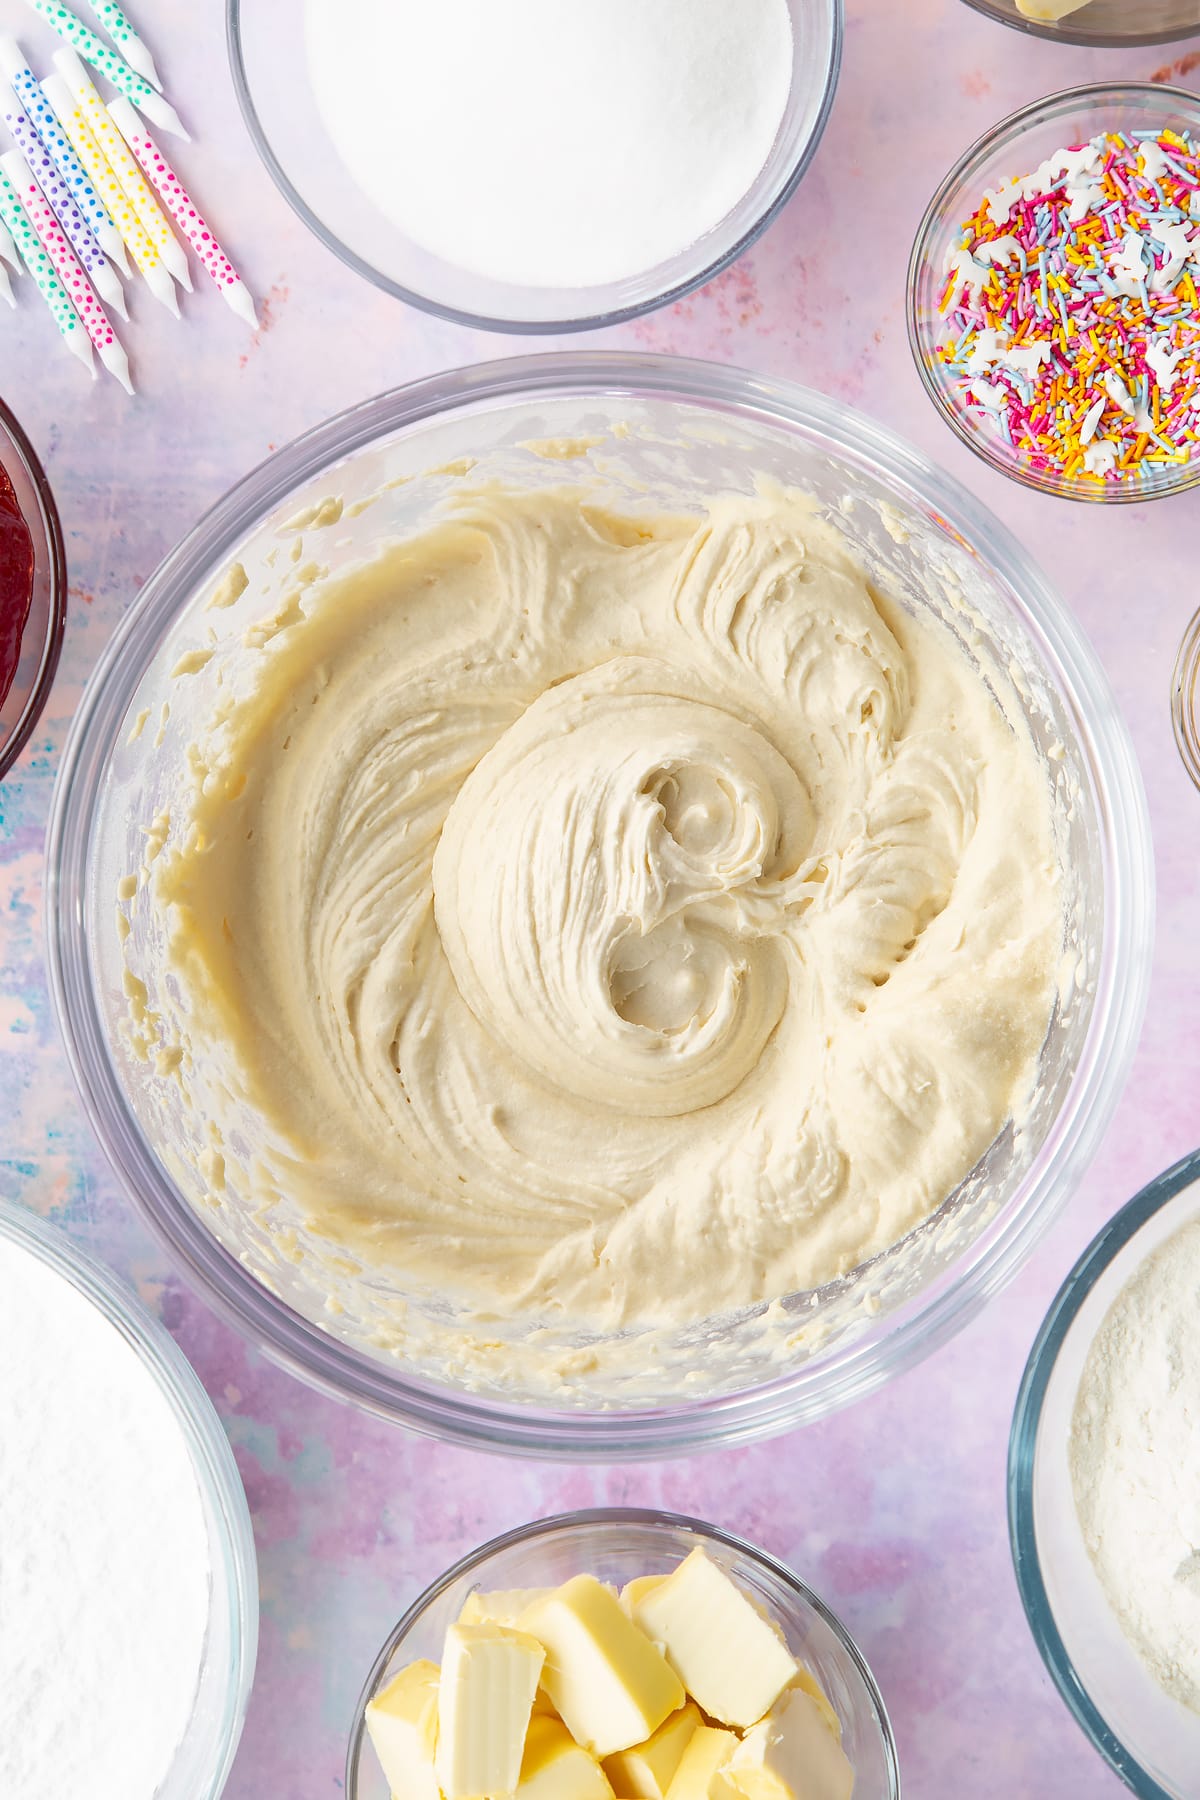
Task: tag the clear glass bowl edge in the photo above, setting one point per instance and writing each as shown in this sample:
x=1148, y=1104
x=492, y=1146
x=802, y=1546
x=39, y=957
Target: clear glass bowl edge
x=216, y=1471
x=1022, y=1452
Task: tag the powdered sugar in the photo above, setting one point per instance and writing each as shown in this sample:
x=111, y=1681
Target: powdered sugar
x=104, y=1566
x=552, y=143
x=1135, y=1461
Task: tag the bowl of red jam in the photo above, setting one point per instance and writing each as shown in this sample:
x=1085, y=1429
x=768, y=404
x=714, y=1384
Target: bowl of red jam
x=33, y=589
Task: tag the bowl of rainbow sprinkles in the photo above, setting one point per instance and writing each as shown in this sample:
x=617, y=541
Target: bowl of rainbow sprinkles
x=1053, y=302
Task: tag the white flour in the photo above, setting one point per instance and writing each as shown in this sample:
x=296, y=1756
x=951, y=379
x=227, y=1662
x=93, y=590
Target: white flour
x=554, y=143
x=104, y=1572
x=1135, y=1461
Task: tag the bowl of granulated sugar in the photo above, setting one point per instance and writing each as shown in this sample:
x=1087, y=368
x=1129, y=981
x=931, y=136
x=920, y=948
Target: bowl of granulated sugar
x=127, y=1571
x=545, y=165
x=1104, y=1489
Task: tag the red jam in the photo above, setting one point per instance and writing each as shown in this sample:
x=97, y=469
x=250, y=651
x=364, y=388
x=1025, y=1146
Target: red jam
x=16, y=583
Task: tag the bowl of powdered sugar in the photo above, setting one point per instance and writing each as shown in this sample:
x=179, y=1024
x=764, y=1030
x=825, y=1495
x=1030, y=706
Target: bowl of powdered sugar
x=127, y=1574
x=542, y=165
x=1104, y=1488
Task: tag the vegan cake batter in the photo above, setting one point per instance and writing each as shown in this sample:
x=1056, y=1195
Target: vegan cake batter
x=605, y=916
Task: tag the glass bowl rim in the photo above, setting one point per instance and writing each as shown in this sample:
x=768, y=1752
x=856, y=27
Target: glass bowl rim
x=585, y=321
x=652, y=1518
x=1079, y=35
x=457, y=1415
x=52, y=642
x=1008, y=131
x=1185, y=691
x=231, y=1540
x=1089, y=1267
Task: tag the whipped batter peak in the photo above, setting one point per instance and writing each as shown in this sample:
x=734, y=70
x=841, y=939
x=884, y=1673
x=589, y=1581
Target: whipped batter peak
x=605, y=916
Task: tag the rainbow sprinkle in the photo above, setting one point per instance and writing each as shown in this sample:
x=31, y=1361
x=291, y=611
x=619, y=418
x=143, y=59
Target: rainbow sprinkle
x=1071, y=316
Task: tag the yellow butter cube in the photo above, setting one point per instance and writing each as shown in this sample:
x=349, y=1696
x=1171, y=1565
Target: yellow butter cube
x=610, y=1685
x=633, y=1590
x=792, y=1755
x=731, y=1660
x=555, y=1767
x=502, y=1607
x=402, y=1723
x=701, y=1774
x=1049, y=10
x=485, y=1697
x=807, y=1680
x=645, y=1772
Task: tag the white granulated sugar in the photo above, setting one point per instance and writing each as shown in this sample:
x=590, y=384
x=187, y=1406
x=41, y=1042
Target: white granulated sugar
x=104, y=1570
x=552, y=143
x=1135, y=1461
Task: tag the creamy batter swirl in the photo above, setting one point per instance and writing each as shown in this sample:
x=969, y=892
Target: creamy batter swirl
x=610, y=917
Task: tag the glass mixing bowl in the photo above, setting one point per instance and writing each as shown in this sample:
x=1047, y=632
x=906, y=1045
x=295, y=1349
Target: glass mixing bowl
x=685, y=429
x=42, y=637
x=270, y=72
x=1151, y=1741
x=1185, y=700
x=1016, y=147
x=616, y=1545
x=205, y=1756
x=1104, y=24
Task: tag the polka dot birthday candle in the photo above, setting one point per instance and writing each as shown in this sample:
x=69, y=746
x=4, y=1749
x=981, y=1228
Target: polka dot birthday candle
x=116, y=152
x=67, y=266
x=121, y=32
x=94, y=50
x=142, y=249
x=8, y=250
x=83, y=240
x=183, y=210
x=37, y=260
x=45, y=122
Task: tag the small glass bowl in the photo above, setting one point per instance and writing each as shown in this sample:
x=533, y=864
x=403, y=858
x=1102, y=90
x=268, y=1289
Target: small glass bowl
x=42, y=638
x=1016, y=147
x=1104, y=24
x=1151, y=1741
x=615, y=1544
x=205, y=1756
x=268, y=56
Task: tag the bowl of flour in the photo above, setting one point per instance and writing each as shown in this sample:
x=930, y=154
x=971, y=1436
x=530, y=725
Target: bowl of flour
x=127, y=1571
x=543, y=165
x=1104, y=1488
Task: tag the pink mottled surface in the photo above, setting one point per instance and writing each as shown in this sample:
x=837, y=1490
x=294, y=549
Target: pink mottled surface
x=894, y=1511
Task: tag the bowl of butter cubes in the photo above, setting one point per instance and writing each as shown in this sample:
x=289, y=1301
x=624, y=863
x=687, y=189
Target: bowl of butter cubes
x=621, y=1655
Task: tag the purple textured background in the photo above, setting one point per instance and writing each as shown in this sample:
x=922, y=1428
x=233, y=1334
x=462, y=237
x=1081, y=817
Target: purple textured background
x=894, y=1511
